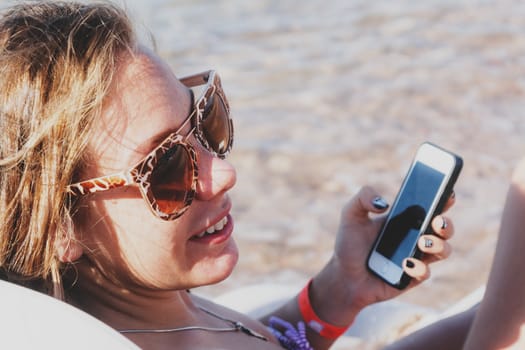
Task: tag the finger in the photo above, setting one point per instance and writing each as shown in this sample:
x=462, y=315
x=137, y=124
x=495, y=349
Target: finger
x=451, y=201
x=416, y=269
x=434, y=246
x=365, y=201
x=443, y=227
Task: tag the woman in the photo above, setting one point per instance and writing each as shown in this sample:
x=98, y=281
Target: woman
x=81, y=99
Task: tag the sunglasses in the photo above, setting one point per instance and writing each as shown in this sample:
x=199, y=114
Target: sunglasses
x=167, y=176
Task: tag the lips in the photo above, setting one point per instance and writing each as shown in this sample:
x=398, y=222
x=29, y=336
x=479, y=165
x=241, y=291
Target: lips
x=213, y=229
x=218, y=233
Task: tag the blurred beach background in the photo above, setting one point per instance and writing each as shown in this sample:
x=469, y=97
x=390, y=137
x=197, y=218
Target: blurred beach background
x=328, y=96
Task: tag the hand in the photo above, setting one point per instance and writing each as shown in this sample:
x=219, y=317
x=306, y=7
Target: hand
x=347, y=274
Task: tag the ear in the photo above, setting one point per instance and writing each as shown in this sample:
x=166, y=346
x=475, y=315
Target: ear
x=68, y=250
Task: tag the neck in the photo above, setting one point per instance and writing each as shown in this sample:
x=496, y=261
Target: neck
x=157, y=319
x=130, y=307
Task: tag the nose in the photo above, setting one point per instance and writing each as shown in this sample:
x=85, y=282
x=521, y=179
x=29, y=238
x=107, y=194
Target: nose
x=216, y=176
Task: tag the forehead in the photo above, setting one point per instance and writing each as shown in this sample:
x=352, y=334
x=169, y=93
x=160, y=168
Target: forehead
x=146, y=100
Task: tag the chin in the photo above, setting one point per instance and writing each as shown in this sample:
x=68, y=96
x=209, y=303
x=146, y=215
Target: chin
x=217, y=269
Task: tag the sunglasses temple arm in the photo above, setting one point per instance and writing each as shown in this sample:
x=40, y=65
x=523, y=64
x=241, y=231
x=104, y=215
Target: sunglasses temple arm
x=101, y=184
x=196, y=79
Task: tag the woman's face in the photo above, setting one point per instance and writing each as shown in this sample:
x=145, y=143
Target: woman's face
x=119, y=233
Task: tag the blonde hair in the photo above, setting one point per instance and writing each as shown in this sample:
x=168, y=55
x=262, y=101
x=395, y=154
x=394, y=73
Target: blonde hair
x=57, y=60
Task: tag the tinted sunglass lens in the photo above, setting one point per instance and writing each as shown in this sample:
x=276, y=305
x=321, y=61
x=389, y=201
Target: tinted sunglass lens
x=171, y=179
x=216, y=125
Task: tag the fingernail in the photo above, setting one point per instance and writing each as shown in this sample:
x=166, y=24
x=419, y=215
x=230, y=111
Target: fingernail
x=453, y=194
x=410, y=264
x=428, y=243
x=444, y=223
x=379, y=203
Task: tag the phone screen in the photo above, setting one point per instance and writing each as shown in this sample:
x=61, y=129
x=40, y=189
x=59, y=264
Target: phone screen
x=409, y=212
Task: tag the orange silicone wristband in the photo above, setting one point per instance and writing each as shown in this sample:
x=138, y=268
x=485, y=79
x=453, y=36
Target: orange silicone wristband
x=321, y=327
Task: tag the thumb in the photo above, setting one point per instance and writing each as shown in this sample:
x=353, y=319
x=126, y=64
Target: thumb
x=365, y=201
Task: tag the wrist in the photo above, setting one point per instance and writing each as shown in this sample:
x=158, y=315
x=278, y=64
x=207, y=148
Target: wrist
x=309, y=315
x=332, y=296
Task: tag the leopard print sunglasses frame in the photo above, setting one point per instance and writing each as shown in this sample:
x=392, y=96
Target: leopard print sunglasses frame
x=213, y=127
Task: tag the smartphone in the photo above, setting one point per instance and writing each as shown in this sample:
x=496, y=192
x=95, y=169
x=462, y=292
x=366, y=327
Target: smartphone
x=423, y=194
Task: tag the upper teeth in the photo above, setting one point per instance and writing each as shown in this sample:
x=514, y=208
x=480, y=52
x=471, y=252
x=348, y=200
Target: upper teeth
x=217, y=227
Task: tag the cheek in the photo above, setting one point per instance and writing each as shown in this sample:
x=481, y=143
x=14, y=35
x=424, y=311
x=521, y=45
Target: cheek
x=154, y=260
x=211, y=266
x=130, y=245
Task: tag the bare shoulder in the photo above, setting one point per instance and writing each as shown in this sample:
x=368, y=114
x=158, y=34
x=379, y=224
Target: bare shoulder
x=518, y=175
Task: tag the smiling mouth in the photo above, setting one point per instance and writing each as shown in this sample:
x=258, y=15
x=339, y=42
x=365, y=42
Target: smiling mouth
x=213, y=229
